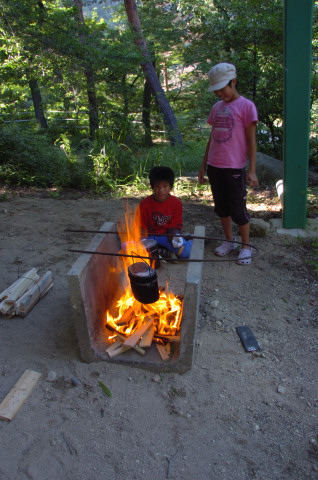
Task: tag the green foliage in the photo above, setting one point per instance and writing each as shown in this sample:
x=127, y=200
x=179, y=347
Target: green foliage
x=112, y=165
x=182, y=160
x=28, y=158
x=45, y=41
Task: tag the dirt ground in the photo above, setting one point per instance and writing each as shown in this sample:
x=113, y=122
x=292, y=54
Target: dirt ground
x=233, y=416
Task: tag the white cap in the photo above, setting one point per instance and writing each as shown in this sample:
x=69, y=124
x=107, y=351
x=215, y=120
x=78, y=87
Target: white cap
x=220, y=75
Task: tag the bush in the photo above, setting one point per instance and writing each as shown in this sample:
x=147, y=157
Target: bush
x=28, y=158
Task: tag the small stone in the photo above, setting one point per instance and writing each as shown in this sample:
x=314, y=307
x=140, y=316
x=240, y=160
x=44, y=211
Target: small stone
x=156, y=379
x=259, y=228
x=51, y=376
x=281, y=389
x=214, y=303
x=75, y=381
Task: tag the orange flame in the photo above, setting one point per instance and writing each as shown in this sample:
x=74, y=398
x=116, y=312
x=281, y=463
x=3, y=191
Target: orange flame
x=131, y=314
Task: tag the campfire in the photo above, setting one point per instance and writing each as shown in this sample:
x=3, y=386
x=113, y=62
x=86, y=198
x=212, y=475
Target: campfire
x=112, y=326
x=135, y=324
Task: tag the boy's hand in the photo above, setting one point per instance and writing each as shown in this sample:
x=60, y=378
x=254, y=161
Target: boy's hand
x=177, y=242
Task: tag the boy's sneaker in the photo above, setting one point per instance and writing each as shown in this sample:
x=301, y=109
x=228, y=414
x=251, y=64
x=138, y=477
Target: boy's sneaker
x=245, y=256
x=166, y=254
x=226, y=247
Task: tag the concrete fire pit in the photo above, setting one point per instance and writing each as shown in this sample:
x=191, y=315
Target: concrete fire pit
x=94, y=282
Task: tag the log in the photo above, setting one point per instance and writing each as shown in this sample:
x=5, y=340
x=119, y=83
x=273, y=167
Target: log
x=118, y=351
x=25, y=303
x=133, y=339
x=18, y=395
x=136, y=347
x=170, y=338
x=146, y=339
x=17, y=289
x=7, y=291
x=125, y=317
x=113, y=346
x=162, y=352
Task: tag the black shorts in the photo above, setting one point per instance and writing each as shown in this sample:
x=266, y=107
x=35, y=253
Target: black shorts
x=229, y=192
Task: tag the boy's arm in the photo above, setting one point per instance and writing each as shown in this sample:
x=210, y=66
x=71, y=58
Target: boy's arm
x=205, y=159
x=250, y=135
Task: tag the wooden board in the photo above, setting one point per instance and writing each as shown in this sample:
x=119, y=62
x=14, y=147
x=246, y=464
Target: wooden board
x=18, y=395
x=162, y=352
x=133, y=339
x=146, y=339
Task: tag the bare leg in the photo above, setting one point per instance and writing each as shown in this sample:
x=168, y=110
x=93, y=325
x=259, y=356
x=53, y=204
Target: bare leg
x=245, y=234
x=227, y=227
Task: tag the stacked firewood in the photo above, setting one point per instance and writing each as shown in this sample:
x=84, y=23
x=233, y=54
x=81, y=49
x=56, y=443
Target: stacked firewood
x=20, y=297
x=141, y=338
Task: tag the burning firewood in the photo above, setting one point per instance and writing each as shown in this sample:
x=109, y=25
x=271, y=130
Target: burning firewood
x=140, y=325
x=170, y=338
x=146, y=339
x=133, y=339
x=125, y=317
x=138, y=348
x=118, y=347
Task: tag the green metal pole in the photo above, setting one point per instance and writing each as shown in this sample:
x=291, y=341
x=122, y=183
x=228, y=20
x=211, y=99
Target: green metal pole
x=298, y=17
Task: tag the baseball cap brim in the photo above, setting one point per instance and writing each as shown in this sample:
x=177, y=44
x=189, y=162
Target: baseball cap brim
x=218, y=86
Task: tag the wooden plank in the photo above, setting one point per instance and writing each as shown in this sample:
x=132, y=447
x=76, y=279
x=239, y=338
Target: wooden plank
x=118, y=351
x=27, y=301
x=17, y=289
x=138, y=349
x=125, y=318
x=146, y=339
x=18, y=394
x=170, y=338
x=114, y=346
x=133, y=339
x=162, y=352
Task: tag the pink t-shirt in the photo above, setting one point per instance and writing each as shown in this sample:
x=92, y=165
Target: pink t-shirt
x=228, y=143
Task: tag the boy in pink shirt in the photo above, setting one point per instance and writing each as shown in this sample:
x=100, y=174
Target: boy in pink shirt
x=233, y=138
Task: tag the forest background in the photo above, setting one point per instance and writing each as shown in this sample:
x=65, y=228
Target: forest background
x=95, y=93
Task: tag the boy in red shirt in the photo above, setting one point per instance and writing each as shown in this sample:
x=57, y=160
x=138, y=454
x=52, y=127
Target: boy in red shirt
x=161, y=213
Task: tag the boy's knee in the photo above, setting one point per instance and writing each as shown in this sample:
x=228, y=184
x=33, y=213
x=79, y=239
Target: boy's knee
x=185, y=250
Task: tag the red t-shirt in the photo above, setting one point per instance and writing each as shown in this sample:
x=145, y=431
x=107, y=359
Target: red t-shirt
x=158, y=217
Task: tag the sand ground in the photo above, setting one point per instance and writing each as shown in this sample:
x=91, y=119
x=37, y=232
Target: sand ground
x=233, y=416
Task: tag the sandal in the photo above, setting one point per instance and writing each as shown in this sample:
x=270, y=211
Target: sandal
x=245, y=256
x=226, y=247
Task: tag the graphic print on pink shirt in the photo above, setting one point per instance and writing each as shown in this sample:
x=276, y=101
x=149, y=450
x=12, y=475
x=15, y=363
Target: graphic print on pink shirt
x=223, y=124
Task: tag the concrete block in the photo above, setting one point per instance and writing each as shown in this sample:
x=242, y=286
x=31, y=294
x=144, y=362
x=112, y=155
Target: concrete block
x=95, y=281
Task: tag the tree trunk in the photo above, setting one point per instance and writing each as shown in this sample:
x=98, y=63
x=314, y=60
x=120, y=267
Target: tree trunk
x=90, y=79
x=146, y=113
x=92, y=102
x=151, y=76
x=37, y=103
